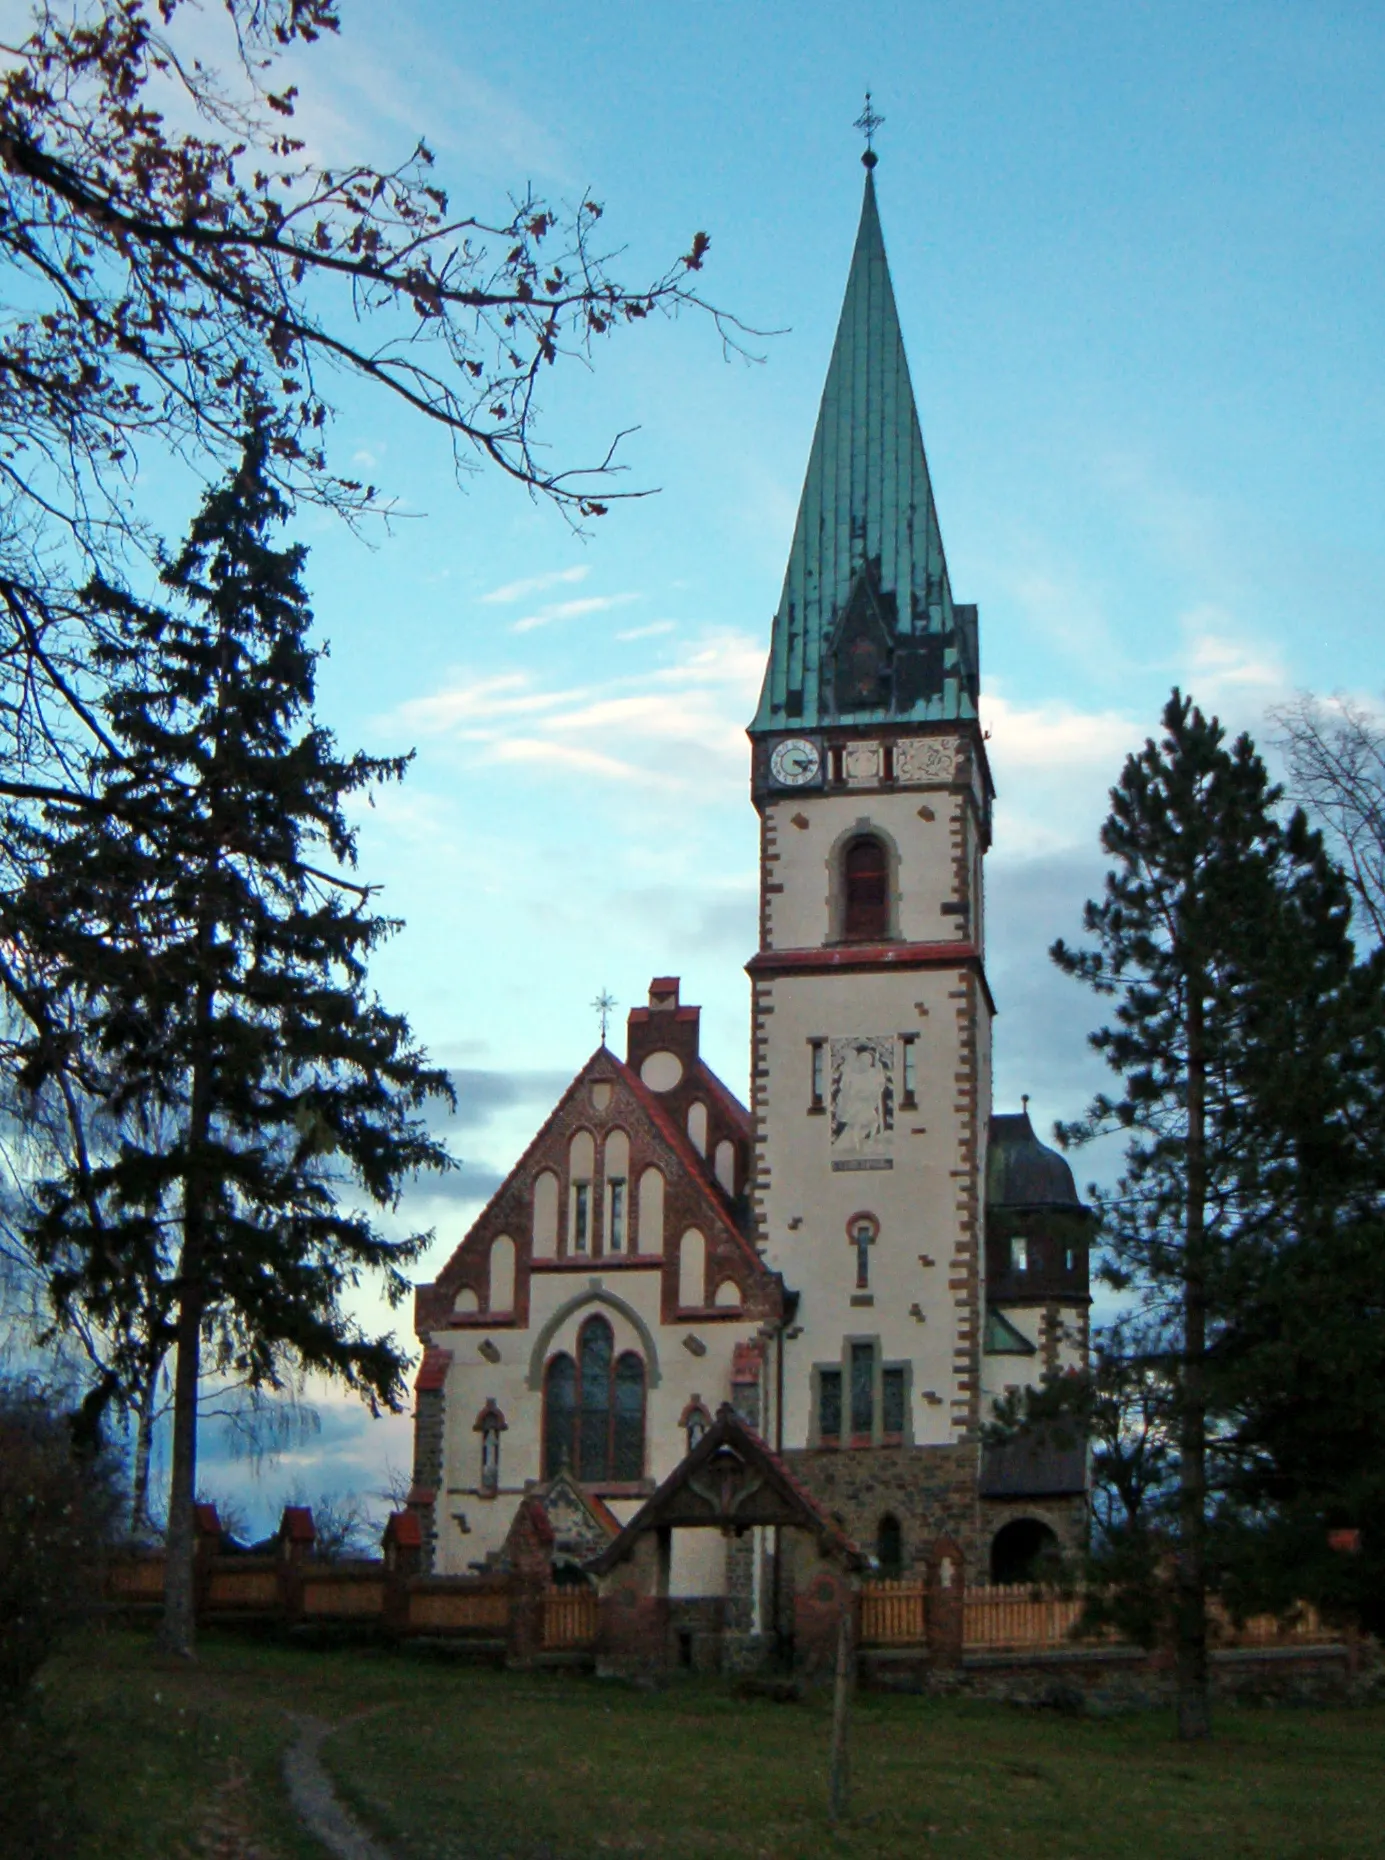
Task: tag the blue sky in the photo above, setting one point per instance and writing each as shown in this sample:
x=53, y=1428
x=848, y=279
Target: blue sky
x=1138, y=256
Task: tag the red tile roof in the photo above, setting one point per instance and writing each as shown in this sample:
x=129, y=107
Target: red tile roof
x=404, y=1529
x=297, y=1524
x=432, y=1371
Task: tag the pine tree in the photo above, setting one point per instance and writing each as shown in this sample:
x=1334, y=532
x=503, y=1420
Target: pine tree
x=196, y=920
x=1223, y=938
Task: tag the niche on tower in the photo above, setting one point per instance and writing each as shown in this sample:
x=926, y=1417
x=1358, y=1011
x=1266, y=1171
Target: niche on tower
x=862, y=646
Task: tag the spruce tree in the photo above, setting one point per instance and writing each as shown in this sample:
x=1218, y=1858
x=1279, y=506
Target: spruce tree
x=1222, y=938
x=197, y=921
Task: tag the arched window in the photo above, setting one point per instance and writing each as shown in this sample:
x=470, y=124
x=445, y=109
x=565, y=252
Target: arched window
x=627, y=1443
x=559, y=1414
x=594, y=1410
x=865, y=890
x=889, y=1545
x=594, y=1394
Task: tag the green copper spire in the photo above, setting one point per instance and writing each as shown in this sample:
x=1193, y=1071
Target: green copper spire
x=867, y=630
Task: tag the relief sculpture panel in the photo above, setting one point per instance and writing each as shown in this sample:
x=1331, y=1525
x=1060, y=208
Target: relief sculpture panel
x=926, y=759
x=862, y=1104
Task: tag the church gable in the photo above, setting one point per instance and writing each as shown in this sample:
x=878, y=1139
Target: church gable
x=623, y=1178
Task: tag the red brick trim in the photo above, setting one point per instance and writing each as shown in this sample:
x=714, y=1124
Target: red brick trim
x=854, y=956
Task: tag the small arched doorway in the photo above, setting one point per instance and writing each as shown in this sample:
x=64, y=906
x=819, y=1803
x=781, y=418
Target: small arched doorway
x=1020, y=1548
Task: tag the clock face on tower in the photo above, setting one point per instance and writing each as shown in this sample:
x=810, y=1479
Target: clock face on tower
x=795, y=762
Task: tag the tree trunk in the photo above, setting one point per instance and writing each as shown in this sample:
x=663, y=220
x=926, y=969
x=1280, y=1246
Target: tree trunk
x=1190, y=1583
x=178, y=1630
x=144, y=1447
x=839, y=1772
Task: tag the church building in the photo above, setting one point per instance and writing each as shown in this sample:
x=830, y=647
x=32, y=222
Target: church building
x=865, y=1258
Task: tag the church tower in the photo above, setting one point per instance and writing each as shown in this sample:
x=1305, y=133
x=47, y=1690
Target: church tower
x=871, y=1014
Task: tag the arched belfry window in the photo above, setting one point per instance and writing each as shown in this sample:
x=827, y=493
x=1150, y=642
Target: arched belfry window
x=593, y=1417
x=865, y=890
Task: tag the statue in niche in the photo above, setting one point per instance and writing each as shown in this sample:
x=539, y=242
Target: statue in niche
x=862, y=1095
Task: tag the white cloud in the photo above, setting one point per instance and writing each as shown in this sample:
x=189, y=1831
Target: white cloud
x=571, y=610
x=568, y=755
x=508, y=694
x=620, y=729
x=535, y=584
x=648, y=632
x=1054, y=736
x=1222, y=662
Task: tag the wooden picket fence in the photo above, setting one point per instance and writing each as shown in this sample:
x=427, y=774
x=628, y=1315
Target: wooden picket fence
x=569, y=1619
x=1014, y=1615
x=1304, y=1628
x=892, y=1614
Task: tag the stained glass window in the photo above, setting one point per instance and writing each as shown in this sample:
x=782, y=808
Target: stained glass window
x=594, y=1422
x=628, y=1444
x=892, y=1401
x=830, y=1404
x=559, y=1413
x=862, y=1389
x=616, y=1239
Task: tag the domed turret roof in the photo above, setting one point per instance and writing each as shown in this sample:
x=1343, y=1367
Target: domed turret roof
x=1021, y=1172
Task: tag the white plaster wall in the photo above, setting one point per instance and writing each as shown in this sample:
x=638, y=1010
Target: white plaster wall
x=799, y=914
x=472, y=1380
x=807, y=1204
x=697, y=1563
x=1001, y=1373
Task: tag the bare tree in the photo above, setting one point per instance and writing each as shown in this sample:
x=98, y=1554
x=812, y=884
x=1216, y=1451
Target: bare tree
x=1335, y=751
x=167, y=245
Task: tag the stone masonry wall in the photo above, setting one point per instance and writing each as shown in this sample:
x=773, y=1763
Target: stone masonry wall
x=931, y=1490
x=429, y=1419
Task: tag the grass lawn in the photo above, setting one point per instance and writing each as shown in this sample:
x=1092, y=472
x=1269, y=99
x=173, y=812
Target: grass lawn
x=452, y=1763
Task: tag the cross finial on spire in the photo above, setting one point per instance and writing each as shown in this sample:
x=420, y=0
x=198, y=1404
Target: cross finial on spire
x=604, y=1004
x=868, y=122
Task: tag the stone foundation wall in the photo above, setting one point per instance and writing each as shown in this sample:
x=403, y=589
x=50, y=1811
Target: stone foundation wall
x=1114, y=1679
x=931, y=1490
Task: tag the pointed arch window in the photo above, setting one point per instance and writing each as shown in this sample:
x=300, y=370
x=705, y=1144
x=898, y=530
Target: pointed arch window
x=593, y=1419
x=865, y=890
x=889, y=1546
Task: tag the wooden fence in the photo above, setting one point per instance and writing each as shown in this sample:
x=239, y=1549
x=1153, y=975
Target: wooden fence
x=1013, y=1618
x=569, y=1619
x=1015, y=1615
x=304, y=1592
x=892, y=1614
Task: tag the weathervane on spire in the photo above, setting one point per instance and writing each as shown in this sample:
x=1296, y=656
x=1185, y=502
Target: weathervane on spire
x=604, y=1004
x=868, y=122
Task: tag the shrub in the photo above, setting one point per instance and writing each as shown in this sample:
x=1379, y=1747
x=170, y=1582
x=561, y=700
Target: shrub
x=58, y=1510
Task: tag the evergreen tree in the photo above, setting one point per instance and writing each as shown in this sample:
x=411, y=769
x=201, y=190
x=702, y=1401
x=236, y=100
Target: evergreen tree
x=1223, y=939
x=195, y=921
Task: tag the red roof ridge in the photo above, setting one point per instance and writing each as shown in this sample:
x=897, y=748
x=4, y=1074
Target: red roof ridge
x=432, y=1370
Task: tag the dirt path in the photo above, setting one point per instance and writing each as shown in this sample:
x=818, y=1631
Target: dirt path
x=316, y=1802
